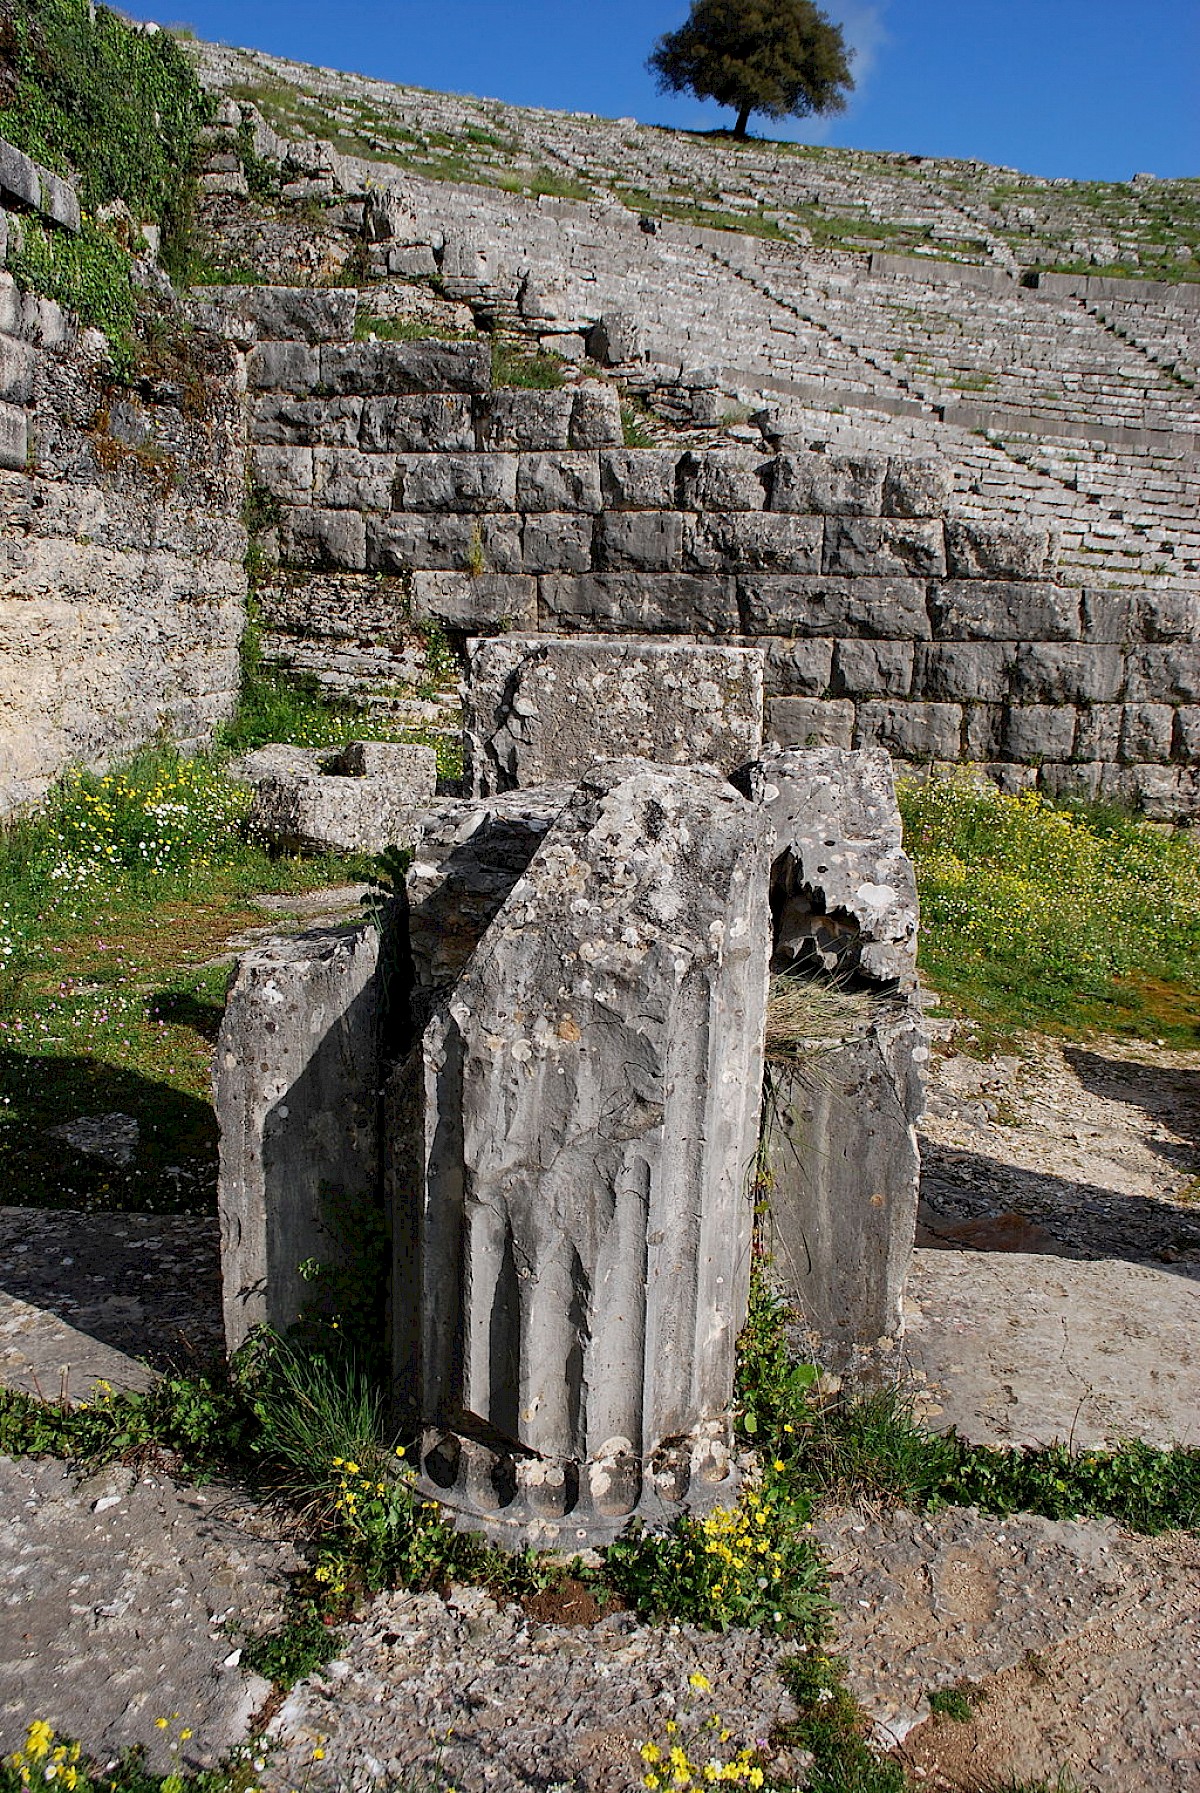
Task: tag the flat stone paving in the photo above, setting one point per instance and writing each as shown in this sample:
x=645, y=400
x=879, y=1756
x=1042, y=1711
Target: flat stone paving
x=122, y=1600
x=1017, y=1349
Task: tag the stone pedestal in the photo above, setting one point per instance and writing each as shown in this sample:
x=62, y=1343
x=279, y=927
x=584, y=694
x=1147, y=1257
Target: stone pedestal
x=296, y=1081
x=572, y=1142
x=845, y=1084
x=539, y=708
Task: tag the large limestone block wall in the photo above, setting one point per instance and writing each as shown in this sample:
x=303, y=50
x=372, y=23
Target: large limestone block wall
x=122, y=581
x=888, y=617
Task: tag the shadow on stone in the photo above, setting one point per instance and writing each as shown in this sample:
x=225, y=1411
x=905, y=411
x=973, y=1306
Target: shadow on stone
x=1168, y=1094
x=1082, y=1219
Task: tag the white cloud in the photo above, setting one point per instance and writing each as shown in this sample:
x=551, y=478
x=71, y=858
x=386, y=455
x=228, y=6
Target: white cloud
x=866, y=34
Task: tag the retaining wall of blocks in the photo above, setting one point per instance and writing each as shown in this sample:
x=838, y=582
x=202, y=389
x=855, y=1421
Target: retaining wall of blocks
x=122, y=577
x=887, y=618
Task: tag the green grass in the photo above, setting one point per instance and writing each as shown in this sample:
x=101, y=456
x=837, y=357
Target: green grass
x=405, y=329
x=515, y=365
x=115, y=898
x=1065, y=919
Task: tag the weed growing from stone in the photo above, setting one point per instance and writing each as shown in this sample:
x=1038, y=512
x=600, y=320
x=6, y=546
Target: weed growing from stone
x=515, y=365
x=694, y=1750
x=836, y=1731
x=1044, y=916
x=871, y=1447
x=750, y=1564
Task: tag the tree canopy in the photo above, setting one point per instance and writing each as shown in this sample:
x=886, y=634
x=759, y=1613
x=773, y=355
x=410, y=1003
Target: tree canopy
x=781, y=57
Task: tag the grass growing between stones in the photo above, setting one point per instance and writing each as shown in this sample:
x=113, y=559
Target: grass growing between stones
x=1065, y=919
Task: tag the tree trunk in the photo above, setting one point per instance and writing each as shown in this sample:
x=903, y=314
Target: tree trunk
x=739, y=129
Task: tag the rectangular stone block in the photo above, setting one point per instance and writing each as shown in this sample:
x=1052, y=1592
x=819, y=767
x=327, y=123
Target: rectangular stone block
x=868, y=547
x=1164, y=674
x=1039, y=732
x=452, y=482
x=810, y=722
x=873, y=669
x=830, y=485
x=596, y=416
x=14, y=439
x=558, y=482
x=644, y=603
x=763, y=541
x=19, y=183
x=426, y=423
x=466, y=604
x=911, y=731
x=985, y=550
x=917, y=488
x=639, y=479
x=639, y=542
x=286, y=473
x=327, y=812
x=448, y=543
x=1147, y=731
x=797, y=668
x=344, y=479
x=964, y=672
x=280, y=419
x=554, y=543
x=296, y=1075
x=1070, y=673
x=1109, y=616
x=843, y=1168
x=312, y=314
x=1098, y=732
x=323, y=541
x=1167, y=615
x=512, y=420
x=283, y=367
x=892, y=609
x=412, y=367
x=722, y=480
x=539, y=711
x=18, y=365
x=987, y=610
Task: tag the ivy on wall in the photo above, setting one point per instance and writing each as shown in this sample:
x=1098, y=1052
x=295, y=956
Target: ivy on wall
x=115, y=107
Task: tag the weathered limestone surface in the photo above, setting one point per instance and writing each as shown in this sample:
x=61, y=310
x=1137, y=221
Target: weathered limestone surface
x=843, y=1169
x=466, y=859
x=539, y=709
x=122, y=578
x=374, y=802
x=295, y=1080
x=843, y=891
x=845, y=1088
x=584, y=1111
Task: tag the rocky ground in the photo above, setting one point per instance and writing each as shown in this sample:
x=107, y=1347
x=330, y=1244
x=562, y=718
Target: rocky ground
x=1056, y=1293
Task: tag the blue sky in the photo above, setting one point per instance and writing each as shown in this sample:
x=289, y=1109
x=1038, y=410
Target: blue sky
x=1094, y=89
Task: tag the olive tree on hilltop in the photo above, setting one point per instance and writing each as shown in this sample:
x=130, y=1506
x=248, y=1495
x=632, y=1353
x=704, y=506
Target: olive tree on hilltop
x=781, y=57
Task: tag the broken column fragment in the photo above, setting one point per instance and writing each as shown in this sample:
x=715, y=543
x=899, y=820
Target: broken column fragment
x=539, y=708
x=296, y=1080
x=572, y=1212
x=844, y=1085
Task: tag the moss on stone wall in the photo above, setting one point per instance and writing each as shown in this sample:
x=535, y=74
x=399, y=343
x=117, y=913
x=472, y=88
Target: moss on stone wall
x=115, y=106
